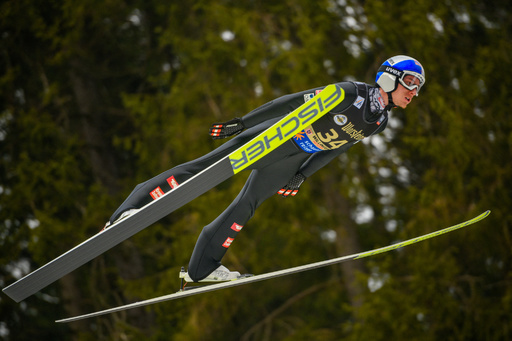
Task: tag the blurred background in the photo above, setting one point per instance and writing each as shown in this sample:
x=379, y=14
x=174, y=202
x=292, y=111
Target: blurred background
x=98, y=96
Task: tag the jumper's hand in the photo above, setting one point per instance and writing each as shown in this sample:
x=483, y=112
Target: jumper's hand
x=292, y=187
x=226, y=129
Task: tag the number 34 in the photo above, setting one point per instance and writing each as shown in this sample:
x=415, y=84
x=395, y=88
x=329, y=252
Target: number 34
x=328, y=138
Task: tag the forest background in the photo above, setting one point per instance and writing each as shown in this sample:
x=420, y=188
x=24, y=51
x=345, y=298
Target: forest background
x=98, y=96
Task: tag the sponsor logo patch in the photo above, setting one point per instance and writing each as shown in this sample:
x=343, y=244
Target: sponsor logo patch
x=228, y=242
x=172, y=182
x=156, y=193
x=352, y=132
x=307, y=97
x=340, y=120
x=359, y=102
x=236, y=227
x=380, y=120
x=302, y=140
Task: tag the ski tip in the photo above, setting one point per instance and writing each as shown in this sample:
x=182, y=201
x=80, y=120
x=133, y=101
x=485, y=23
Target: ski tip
x=485, y=214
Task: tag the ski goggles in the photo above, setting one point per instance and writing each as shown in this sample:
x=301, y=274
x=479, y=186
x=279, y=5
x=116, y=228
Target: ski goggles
x=411, y=81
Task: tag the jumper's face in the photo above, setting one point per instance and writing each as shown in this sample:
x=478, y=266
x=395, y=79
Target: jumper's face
x=403, y=95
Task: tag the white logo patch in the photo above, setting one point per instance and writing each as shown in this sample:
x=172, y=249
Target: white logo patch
x=307, y=97
x=359, y=102
x=340, y=120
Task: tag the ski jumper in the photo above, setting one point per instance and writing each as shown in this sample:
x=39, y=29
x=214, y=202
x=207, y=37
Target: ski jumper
x=361, y=114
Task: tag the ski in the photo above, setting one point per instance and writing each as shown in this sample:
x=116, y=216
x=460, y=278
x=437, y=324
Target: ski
x=275, y=274
x=235, y=162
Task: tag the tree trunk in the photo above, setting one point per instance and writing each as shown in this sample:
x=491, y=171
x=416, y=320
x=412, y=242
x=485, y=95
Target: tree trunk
x=347, y=241
x=105, y=170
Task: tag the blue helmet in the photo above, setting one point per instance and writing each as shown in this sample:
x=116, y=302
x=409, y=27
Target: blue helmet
x=393, y=71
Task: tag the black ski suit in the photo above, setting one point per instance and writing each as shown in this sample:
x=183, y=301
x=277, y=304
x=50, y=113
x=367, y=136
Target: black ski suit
x=333, y=134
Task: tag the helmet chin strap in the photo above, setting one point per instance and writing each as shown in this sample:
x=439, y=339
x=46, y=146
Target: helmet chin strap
x=390, y=105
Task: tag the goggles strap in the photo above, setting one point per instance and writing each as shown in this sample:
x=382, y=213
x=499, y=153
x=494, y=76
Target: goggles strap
x=391, y=70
